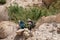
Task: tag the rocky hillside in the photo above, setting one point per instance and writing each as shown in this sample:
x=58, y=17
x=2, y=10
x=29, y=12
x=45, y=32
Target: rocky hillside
x=48, y=30
x=24, y=3
x=48, y=19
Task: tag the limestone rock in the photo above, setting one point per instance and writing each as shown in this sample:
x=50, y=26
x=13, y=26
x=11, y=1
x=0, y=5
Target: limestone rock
x=7, y=28
x=47, y=19
x=20, y=32
x=24, y=3
x=58, y=18
x=46, y=31
x=3, y=13
x=25, y=32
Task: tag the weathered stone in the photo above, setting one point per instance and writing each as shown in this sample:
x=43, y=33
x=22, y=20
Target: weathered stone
x=47, y=19
x=3, y=14
x=43, y=32
x=24, y=3
x=7, y=28
x=24, y=32
x=58, y=18
x=20, y=32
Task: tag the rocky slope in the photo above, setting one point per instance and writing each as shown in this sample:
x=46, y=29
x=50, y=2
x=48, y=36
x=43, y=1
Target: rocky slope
x=7, y=30
x=47, y=31
x=48, y=28
x=48, y=19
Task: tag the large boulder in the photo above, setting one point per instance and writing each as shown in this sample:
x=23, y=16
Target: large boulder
x=25, y=32
x=57, y=18
x=3, y=13
x=19, y=32
x=48, y=19
x=46, y=31
x=7, y=28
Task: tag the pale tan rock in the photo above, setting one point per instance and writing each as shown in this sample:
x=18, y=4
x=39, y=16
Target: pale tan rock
x=46, y=31
x=57, y=18
x=47, y=19
x=4, y=14
x=24, y=3
x=20, y=31
x=7, y=28
x=27, y=33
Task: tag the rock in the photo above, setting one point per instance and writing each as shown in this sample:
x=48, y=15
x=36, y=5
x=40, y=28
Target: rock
x=58, y=18
x=58, y=30
x=3, y=14
x=55, y=18
x=24, y=3
x=24, y=32
x=47, y=3
x=20, y=32
x=7, y=28
x=46, y=20
x=46, y=31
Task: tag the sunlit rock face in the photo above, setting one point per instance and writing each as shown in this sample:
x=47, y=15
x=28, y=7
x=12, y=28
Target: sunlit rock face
x=25, y=3
x=48, y=19
x=47, y=31
x=3, y=13
x=7, y=28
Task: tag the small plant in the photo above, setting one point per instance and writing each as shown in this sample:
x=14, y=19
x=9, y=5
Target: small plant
x=2, y=1
x=19, y=13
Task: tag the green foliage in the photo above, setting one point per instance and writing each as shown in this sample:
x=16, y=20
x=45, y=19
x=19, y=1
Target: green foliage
x=19, y=13
x=2, y=1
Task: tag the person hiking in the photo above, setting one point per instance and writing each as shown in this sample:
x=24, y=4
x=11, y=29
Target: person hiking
x=21, y=24
x=30, y=24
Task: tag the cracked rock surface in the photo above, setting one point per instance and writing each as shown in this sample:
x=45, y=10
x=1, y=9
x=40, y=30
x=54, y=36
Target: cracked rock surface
x=47, y=31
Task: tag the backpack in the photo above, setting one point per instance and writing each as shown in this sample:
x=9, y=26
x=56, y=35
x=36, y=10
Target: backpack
x=22, y=24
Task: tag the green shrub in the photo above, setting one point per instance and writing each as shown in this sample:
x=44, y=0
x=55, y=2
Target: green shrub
x=2, y=1
x=19, y=13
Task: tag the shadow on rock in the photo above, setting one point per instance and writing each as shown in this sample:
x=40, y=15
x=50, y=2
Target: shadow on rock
x=19, y=38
